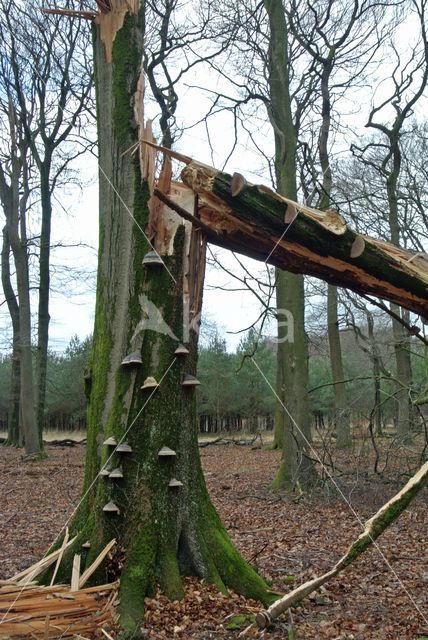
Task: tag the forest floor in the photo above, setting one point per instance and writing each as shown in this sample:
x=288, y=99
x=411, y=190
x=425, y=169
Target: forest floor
x=382, y=596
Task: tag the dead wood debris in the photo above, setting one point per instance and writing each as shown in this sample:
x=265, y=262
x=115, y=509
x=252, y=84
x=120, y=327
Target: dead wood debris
x=303, y=540
x=55, y=612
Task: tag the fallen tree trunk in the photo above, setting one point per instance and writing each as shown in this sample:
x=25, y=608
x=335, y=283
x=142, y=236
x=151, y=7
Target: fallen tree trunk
x=255, y=221
x=373, y=528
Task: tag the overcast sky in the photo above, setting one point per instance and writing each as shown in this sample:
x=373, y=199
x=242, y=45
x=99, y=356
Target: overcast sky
x=72, y=298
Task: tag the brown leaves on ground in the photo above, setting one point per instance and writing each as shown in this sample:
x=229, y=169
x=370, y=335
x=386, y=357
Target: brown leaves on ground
x=383, y=596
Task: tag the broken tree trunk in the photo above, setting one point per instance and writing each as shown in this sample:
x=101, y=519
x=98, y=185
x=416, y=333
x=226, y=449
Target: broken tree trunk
x=373, y=528
x=261, y=224
x=141, y=376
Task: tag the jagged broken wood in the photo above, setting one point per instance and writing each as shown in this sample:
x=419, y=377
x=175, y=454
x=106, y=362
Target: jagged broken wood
x=48, y=613
x=30, y=573
x=96, y=563
x=85, y=15
x=255, y=221
x=372, y=529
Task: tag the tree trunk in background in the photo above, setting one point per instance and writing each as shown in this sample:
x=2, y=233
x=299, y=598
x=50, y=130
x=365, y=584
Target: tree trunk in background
x=341, y=419
x=341, y=416
x=404, y=373
x=44, y=290
x=14, y=435
x=292, y=343
x=278, y=424
x=164, y=532
x=401, y=337
x=14, y=197
x=28, y=417
x=377, y=409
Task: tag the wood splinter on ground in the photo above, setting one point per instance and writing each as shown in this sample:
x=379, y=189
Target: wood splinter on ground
x=55, y=612
x=372, y=529
x=28, y=610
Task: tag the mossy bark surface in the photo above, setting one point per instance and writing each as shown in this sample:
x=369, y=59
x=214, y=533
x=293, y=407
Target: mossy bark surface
x=162, y=532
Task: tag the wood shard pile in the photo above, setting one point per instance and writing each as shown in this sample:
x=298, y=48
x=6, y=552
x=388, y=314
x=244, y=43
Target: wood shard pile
x=32, y=611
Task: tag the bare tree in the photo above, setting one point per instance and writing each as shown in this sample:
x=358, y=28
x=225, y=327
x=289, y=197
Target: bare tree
x=342, y=39
x=14, y=196
x=45, y=69
x=409, y=80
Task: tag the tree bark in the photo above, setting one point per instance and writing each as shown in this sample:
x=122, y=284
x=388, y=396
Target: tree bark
x=401, y=339
x=341, y=416
x=375, y=357
x=292, y=344
x=14, y=435
x=14, y=196
x=341, y=419
x=164, y=531
x=44, y=291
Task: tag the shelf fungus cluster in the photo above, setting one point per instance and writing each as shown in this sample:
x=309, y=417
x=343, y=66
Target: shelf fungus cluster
x=116, y=473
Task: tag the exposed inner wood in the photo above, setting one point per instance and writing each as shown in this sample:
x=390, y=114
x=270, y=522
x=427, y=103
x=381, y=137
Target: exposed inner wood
x=86, y=15
x=110, y=20
x=56, y=612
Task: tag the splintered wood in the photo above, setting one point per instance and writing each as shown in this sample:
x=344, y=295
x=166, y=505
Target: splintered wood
x=55, y=612
x=110, y=20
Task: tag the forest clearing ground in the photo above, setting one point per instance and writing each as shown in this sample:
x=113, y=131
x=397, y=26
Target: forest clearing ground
x=281, y=536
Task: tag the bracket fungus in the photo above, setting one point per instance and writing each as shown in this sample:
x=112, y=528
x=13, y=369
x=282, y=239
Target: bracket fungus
x=116, y=473
x=150, y=383
x=181, y=350
x=175, y=483
x=152, y=259
x=132, y=359
x=190, y=381
x=124, y=448
x=111, y=507
x=166, y=452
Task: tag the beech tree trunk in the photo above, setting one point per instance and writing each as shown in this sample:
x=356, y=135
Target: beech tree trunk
x=44, y=291
x=341, y=416
x=163, y=532
x=401, y=339
x=292, y=415
x=14, y=436
x=376, y=361
x=14, y=193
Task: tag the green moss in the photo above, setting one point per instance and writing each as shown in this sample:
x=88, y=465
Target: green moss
x=282, y=482
x=138, y=576
x=170, y=579
x=126, y=61
x=234, y=571
x=240, y=621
